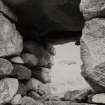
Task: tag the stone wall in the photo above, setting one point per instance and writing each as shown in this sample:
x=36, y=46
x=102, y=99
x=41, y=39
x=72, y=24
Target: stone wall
x=25, y=63
x=92, y=43
x=24, y=66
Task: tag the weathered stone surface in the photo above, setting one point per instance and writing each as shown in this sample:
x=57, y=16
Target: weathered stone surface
x=77, y=95
x=21, y=72
x=93, y=53
x=44, y=91
x=22, y=89
x=92, y=8
x=7, y=11
x=16, y=99
x=6, y=67
x=34, y=95
x=11, y=42
x=8, y=88
x=64, y=103
x=30, y=59
x=42, y=74
x=33, y=84
x=42, y=54
x=30, y=101
x=17, y=60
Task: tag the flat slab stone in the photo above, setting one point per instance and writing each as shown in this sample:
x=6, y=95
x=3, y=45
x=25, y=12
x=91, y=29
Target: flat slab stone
x=64, y=103
x=93, y=53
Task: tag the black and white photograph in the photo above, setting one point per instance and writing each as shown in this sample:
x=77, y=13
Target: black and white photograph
x=52, y=52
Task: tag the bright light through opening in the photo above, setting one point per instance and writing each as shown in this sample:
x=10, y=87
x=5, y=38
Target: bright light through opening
x=66, y=70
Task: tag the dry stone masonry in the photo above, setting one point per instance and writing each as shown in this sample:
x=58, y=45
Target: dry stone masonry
x=93, y=47
x=93, y=43
x=24, y=67
x=25, y=64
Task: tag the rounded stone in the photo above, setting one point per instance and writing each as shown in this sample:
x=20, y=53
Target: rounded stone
x=16, y=99
x=30, y=59
x=11, y=42
x=8, y=88
x=21, y=72
x=33, y=84
x=6, y=67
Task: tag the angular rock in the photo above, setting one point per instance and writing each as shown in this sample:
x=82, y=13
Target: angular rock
x=42, y=54
x=17, y=60
x=93, y=53
x=7, y=11
x=33, y=84
x=16, y=99
x=92, y=8
x=21, y=72
x=42, y=74
x=8, y=88
x=6, y=67
x=77, y=95
x=30, y=59
x=11, y=42
x=30, y=101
